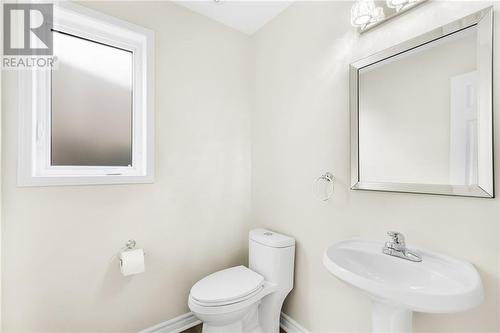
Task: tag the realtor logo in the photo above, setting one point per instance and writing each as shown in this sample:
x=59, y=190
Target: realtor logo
x=27, y=29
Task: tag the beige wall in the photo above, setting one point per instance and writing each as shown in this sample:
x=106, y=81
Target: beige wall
x=301, y=129
x=58, y=242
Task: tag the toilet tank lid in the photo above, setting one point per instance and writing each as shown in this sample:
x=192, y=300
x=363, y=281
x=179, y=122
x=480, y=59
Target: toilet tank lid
x=271, y=238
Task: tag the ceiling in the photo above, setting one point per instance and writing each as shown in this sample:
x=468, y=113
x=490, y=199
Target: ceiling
x=245, y=16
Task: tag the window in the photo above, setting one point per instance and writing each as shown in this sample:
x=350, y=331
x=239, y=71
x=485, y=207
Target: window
x=89, y=120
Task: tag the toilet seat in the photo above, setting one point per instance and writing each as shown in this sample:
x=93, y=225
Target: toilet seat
x=229, y=290
x=223, y=303
x=228, y=286
x=210, y=309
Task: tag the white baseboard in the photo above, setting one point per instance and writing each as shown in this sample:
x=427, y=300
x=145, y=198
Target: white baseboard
x=188, y=320
x=175, y=325
x=291, y=326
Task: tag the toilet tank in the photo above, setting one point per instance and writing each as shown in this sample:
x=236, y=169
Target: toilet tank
x=272, y=255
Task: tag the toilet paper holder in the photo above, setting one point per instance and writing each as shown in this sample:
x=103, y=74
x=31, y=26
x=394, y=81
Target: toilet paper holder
x=130, y=245
x=131, y=260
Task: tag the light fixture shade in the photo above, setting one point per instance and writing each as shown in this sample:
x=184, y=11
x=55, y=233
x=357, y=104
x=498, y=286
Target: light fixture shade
x=362, y=12
x=378, y=14
x=397, y=3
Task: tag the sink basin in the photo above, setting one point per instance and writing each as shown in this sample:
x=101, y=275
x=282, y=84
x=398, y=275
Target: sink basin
x=438, y=284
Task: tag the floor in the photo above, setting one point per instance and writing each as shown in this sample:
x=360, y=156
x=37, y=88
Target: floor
x=197, y=329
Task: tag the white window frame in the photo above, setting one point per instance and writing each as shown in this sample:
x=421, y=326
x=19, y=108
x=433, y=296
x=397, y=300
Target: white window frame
x=34, y=94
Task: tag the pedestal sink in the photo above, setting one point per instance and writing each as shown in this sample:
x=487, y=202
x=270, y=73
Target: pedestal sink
x=437, y=284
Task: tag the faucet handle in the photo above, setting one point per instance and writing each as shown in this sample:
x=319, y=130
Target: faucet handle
x=397, y=237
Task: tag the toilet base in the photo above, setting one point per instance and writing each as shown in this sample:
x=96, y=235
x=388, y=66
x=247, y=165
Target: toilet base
x=231, y=328
x=228, y=329
x=248, y=324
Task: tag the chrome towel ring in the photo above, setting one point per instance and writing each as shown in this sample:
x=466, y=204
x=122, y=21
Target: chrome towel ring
x=327, y=180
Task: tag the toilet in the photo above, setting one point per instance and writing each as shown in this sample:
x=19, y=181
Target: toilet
x=244, y=300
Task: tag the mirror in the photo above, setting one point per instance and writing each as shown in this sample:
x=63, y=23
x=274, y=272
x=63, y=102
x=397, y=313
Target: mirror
x=421, y=113
x=91, y=117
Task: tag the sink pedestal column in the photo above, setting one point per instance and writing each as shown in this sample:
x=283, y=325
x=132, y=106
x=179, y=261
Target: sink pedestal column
x=390, y=319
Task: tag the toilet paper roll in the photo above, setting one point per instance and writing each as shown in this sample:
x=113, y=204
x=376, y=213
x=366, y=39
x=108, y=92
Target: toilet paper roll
x=132, y=262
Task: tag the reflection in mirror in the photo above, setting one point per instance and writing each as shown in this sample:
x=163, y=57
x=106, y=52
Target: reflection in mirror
x=426, y=99
x=91, y=123
x=421, y=113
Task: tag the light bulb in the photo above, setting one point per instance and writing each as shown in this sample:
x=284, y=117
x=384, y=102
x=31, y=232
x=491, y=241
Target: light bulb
x=362, y=12
x=378, y=14
x=396, y=3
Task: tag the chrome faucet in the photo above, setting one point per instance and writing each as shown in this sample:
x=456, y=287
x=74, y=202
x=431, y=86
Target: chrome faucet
x=397, y=248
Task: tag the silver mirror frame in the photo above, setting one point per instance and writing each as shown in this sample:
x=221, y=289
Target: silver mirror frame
x=483, y=19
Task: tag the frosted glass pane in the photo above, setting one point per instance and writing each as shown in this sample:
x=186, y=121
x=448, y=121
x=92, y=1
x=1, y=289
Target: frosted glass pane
x=91, y=104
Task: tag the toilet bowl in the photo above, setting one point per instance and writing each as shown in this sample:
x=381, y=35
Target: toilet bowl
x=244, y=300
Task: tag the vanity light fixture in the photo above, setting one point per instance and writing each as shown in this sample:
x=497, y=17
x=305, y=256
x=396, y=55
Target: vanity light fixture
x=397, y=4
x=366, y=14
x=400, y=4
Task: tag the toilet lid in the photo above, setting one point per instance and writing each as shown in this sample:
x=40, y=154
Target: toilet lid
x=227, y=285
